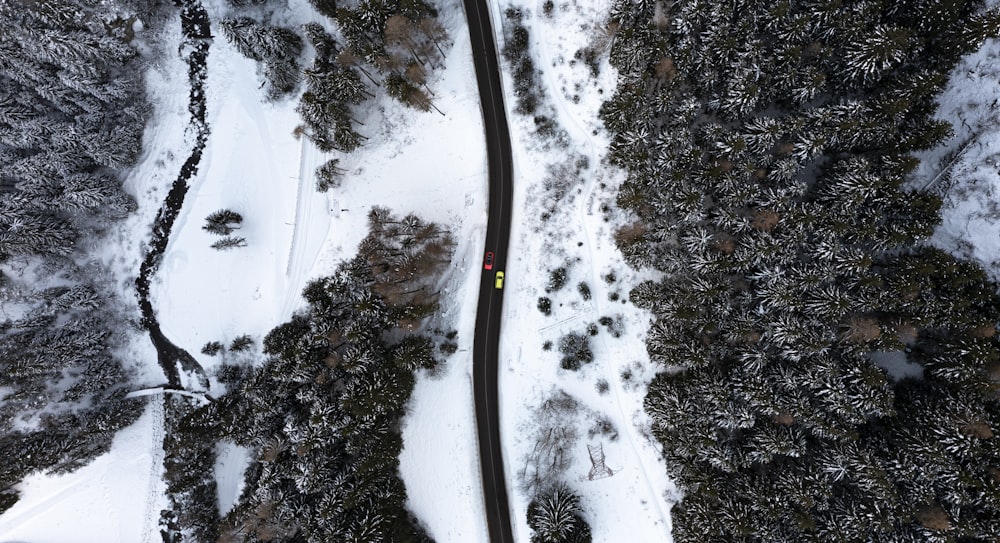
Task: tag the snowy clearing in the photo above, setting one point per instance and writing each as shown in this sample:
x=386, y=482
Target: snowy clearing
x=576, y=233
x=966, y=169
x=117, y=497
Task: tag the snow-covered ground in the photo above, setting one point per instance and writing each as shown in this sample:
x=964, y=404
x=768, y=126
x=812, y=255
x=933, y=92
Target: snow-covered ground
x=115, y=498
x=426, y=163
x=634, y=503
x=967, y=167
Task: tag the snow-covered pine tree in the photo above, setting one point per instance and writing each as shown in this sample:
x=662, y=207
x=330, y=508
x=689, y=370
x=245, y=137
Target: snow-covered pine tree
x=229, y=243
x=275, y=47
x=329, y=175
x=222, y=222
x=554, y=516
x=246, y=35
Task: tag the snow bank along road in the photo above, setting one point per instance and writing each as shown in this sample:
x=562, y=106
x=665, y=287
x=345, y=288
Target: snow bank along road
x=485, y=346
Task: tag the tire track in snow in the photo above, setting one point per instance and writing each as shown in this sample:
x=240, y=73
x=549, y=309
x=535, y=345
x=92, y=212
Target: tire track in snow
x=304, y=248
x=151, y=520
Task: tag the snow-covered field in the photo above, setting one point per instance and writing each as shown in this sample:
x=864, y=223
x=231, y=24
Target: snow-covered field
x=115, y=498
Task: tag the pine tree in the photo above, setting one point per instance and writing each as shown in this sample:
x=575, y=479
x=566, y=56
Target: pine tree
x=228, y=243
x=329, y=175
x=241, y=343
x=222, y=222
x=555, y=517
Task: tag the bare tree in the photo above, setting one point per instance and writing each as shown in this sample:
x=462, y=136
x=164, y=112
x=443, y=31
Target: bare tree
x=434, y=31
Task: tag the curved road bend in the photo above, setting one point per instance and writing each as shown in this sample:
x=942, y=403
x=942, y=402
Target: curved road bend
x=485, y=346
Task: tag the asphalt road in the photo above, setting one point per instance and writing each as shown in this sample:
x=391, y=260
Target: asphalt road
x=486, y=343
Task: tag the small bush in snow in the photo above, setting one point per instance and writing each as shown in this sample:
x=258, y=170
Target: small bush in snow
x=603, y=427
x=614, y=326
x=242, y=343
x=557, y=279
x=228, y=243
x=602, y=386
x=212, y=348
x=545, y=306
x=576, y=351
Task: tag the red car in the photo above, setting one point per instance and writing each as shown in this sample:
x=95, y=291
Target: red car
x=488, y=263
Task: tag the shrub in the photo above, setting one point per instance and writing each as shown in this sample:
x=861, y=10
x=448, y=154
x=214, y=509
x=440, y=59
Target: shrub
x=222, y=222
x=212, y=348
x=242, y=343
x=557, y=279
x=576, y=351
x=545, y=306
x=230, y=242
x=554, y=517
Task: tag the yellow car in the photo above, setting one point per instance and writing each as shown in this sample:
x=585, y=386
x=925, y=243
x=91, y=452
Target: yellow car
x=499, y=281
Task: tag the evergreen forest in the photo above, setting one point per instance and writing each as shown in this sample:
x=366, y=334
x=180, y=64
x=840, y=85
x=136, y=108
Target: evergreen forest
x=769, y=146
x=72, y=114
x=389, y=45
x=825, y=374
x=322, y=413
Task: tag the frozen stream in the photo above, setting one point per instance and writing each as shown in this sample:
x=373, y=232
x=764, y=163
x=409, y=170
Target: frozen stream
x=194, y=46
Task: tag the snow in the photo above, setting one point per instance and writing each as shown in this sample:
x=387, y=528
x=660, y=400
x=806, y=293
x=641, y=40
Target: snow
x=430, y=164
x=117, y=497
x=897, y=365
x=231, y=461
x=635, y=502
x=253, y=165
x=966, y=166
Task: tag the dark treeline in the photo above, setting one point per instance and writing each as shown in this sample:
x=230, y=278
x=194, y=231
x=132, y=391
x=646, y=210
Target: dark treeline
x=322, y=413
x=767, y=144
x=71, y=118
x=276, y=48
x=389, y=46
